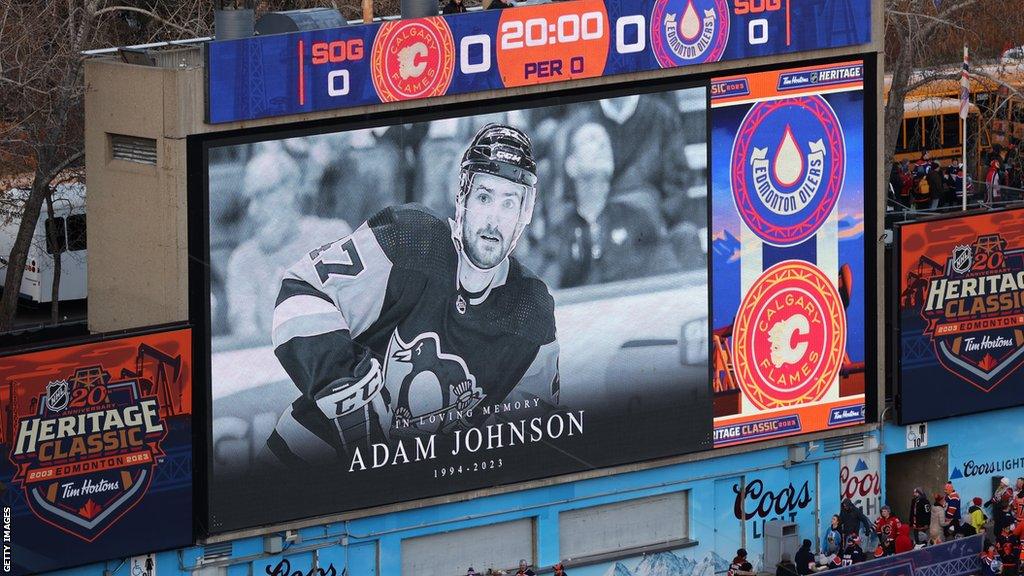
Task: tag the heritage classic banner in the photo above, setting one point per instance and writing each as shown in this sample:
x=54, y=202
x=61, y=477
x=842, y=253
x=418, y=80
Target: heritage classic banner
x=961, y=314
x=97, y=446
x=491, y=50
x=788, y=251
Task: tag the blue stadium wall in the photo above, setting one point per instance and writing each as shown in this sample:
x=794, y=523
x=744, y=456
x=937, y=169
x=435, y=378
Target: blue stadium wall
x=980, y=449
x=805, y=492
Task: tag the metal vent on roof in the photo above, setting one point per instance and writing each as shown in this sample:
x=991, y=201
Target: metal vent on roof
x=844, y=443
x=214, y=552
x=133, y=149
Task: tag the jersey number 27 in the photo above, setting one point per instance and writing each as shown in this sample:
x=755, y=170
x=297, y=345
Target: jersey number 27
x=326, y=268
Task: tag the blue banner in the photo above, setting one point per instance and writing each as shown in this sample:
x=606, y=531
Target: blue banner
x=961, y=557
x=305, y=72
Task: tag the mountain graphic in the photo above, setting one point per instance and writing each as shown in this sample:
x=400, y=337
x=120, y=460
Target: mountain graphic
x=851, y=226
x=619, y=569
x=710, y=564
x=861, y=466
x=665, y=564
x=721, y=564
x=956, y=474
x=726, y=246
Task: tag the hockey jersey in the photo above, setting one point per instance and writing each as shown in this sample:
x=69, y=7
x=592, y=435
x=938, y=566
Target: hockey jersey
x=390, y=291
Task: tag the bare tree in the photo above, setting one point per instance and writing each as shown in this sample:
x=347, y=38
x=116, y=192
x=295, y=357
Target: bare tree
x=42, y=91
x=924, y=39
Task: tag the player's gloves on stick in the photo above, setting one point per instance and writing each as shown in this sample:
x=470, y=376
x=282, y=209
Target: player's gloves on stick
x=346, y=395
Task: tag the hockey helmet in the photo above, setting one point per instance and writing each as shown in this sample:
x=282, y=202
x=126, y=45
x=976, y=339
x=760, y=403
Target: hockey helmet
x=501, y=151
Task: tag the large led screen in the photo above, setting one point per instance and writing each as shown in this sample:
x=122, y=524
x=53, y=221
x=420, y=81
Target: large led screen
x=788, y=305
x=96, y=441
x=409, y=310
x=961, y=315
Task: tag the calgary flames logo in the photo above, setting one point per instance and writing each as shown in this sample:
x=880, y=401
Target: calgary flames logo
x=689, y=31
x=413, y=59
x=431, y=391
x=787, y=168
x=790, y=336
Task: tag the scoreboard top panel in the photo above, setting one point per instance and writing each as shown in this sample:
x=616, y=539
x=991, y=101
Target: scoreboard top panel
x=414, y=59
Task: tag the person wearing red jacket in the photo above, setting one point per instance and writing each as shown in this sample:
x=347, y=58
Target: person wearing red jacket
x=887, y=526
x=903, y=541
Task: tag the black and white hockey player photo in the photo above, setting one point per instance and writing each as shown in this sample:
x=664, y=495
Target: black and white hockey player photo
x=444, y=305
x=411, y=323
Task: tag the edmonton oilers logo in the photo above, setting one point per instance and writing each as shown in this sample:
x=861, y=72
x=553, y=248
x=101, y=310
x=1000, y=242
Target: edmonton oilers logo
x=689, y=31
x=787, y=168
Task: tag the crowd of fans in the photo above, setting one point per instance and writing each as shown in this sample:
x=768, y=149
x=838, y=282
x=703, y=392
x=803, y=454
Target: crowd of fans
x=931, y=519
x=617, y=198
x=927, y=185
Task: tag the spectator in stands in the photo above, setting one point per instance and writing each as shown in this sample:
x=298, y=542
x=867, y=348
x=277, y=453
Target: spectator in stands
x=1005, y=505
x=805, y=563
x=953, y=511
x=978, y=518
x=367, y=175
x=471, y=572
x=1008, y=548
x=280, y=235
x=606, y=239
x=906, y=185
x=648, y=144
x=454, y=7
x=786, y=567
x=524, y=569
x=852, y=553
x=560, y=570
x=895, y=182
x=498, y=5
x=833, y=537
x=936, y=185
x=887, y=527
x=903, y=541
x=740, y=566
x=1017, y=499
x=937, y=524
x=853, y=519
x=920, y=516
x=923, y=164
x=990, y=560
x=992, y=180
x=922, y=192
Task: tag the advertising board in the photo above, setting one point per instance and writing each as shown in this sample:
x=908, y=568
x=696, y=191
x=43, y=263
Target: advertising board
x=97, y=444
x=788, y=250
x=497, y=49
x=961, y=314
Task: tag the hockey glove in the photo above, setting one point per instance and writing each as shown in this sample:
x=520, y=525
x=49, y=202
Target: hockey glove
x=347, y=395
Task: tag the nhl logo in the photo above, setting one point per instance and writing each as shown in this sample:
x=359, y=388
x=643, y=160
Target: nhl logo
x=460, y=304
x=787, y=167
x=58, y=393
x=687, y=32
x=962, y=260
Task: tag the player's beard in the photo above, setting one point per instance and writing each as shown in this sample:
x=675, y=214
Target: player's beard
x=485, y=254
